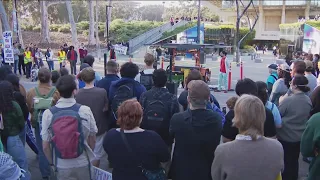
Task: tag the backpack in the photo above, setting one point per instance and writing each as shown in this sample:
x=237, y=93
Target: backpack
x=40, y=104
x=67, y=135
x=154, y=114
x=146, y=80
x=215, y=108
x=123, y=93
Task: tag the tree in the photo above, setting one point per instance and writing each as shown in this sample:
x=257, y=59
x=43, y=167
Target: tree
x=4, y=18
x=91, y=23
x=45, y=37
x=73, y=25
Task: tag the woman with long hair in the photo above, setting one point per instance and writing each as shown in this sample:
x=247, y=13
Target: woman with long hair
x=282, y=85
x=13, y=125
x=294, y=111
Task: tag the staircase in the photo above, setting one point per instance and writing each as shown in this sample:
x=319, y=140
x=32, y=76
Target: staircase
x=152, y=35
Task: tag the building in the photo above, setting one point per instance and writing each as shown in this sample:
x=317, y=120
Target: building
x=271, y=14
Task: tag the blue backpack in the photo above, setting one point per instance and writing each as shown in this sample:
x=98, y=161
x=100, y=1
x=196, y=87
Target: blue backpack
x=214, y=108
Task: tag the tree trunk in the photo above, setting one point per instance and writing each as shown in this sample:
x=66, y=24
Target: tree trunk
x=4, y=17
x=1, y=30
x=45, y=37
x=91, y=23
x=73, y=26
x=97, y=30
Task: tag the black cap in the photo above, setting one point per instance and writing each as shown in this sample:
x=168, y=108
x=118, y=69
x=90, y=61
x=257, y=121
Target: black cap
x=273, y=66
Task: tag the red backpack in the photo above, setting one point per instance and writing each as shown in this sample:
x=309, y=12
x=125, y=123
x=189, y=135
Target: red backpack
x=67, y=134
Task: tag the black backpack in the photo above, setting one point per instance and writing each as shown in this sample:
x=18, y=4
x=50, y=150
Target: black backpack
x=123, y=93
x=154, y=114
x=146, y=80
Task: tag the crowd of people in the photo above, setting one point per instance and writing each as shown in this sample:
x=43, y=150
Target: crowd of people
x=149, y=133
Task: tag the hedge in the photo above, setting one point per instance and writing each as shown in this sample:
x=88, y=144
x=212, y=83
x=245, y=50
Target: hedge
x=297, y=25
x=119, y=29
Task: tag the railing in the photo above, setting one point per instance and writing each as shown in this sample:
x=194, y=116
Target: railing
x=152, y=35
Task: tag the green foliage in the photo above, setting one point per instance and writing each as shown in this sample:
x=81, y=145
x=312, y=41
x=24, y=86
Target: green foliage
x=54, y=27
x=314, y=23
x=83, y=25
x=249, y=38
x=36, y=28
x=65, y=28
x=297, y=25
x=178, y=30
x=248, y=49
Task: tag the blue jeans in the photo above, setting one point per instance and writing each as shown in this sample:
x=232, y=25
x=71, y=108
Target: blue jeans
x=15, y=65
x=22, y=135
x=44, y=165
x=50, y=65
x=16, y=149
x=223, y=81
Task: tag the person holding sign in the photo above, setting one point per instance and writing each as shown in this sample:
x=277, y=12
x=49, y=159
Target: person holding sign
x=28, y=61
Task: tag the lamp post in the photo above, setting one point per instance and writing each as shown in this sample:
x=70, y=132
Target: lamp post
x=108, y=18
x=198, y=24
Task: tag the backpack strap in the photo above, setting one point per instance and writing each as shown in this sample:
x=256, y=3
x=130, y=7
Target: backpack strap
x=50, y=94
x=274, y=77
x=75, y=107
x=142, y=73
x=272, y=106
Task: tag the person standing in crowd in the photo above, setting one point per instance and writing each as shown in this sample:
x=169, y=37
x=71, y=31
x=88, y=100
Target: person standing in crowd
x=83, y=52
x=230, y=161
x=159, y=106
x=196, y=135
x=10, y=169
x=159, y=53
x=316, y=59
x=21, y=61
x=75, y=167
x=20, y=99
x=126, y=87
x=145, y=76
x=112, y=71
x=272, y=78
x=55, y=75
x=281, y=86
x=62, y=57
x=112, y=54
x=63, y=71
x=16, y=53
x=4, y=72
x=44, y=89
x=13, y=125
x=310, y=141
x=89, y=59
x=28, y=61
x=263, y=96
x=183, y=100
x=294, y=111
x=72, y=58
x=229, y=132
x=66, y=47
x=97, y=100
x=1, y=54
x=312, y=80
x=49, y=58
x=39, y=56
x=223, y=75
x=127, y=153
x=81, y=83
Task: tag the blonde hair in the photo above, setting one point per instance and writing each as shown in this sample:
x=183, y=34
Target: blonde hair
x=250, y=116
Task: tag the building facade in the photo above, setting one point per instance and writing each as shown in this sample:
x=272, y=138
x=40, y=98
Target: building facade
x=271, y=14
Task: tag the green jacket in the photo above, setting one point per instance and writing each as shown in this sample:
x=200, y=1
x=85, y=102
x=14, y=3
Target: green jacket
x=13, y=121
x=310, y=145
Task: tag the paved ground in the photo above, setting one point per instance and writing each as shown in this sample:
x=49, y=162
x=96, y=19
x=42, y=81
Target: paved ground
x=255, y=71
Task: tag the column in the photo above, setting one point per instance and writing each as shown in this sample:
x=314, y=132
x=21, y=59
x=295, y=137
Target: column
x=260, y=28
x=307, y=10
x=283, y=16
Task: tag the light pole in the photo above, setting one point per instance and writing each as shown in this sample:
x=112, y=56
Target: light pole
x=108, y=18
x=198, y=24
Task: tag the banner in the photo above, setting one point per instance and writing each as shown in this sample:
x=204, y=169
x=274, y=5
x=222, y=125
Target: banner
x=99, y=174
x=311, y=38
x=7, y=49
x=119, y=49
x=190, y=36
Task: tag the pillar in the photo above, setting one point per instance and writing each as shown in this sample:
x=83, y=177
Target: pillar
x=261, y=17
x=307, y=10
x=283, y=15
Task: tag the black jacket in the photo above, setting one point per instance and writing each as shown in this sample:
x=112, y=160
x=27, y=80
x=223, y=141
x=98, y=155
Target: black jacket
x=197, y=135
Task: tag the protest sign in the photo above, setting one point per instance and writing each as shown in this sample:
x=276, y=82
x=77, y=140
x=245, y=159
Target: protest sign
x=7, y=49
x=119, y=49
x=99, y=174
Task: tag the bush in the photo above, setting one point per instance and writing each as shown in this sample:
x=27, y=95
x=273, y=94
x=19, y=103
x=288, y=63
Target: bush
x=54, y=27
x=83, y=25
x=28, y=27
x=85, y=32
x=65, y=28
x=36, y=28
x=248, y=49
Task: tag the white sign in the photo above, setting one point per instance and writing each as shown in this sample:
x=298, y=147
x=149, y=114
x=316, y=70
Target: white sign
x=100, y=174
x=7, y=47
x=119, y=49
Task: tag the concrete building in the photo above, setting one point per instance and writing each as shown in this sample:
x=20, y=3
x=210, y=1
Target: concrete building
x=271, y=14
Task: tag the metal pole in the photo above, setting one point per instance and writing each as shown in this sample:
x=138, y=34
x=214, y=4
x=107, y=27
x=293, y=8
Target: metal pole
x=198, y=24
x=15, y=8
x=238, y=34
x=106, y=56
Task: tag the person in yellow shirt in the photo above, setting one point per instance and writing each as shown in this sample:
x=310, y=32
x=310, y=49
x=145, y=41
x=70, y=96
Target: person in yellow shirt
x=62, y=57
x=28, y=61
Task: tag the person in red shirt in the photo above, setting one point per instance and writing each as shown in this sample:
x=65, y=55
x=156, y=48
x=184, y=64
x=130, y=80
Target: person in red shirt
x=223, y=75
x=83, y=52
x=72, y=58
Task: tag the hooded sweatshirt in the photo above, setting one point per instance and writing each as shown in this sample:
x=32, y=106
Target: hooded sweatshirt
x=310, y=145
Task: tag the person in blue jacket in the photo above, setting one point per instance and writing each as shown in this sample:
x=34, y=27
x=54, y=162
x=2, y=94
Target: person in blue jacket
x=128, y=72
